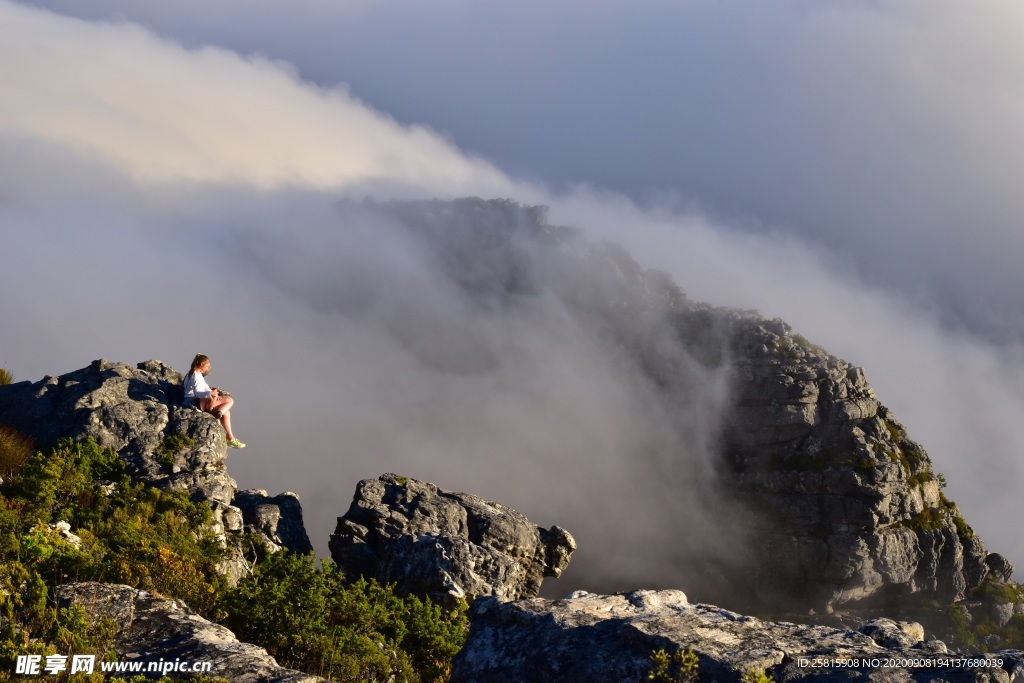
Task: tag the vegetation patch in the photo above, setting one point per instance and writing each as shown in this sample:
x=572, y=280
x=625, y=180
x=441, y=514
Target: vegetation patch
x=171, y=445
x=149, y=539
x=14, y=452
x=1000, y=593
x=963, y=530
x=677, y=666
x=983, y=632
x=757, y=676
x=895, y=433
x=6, y=377
x=311, y=619
x=930, y=519
x=910, y=457
x=920, y=478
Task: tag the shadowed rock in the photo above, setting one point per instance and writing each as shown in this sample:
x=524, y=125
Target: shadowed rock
x=277, y=519
x=151, y=629
x=444, y=544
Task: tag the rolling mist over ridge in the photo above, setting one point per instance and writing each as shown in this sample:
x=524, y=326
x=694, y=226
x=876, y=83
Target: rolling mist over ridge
x=524, y=363
x=683, y=445
x=163, y=196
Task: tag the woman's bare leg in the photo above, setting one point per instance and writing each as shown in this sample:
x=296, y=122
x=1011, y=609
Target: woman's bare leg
x=225, y=421
x=220, y=405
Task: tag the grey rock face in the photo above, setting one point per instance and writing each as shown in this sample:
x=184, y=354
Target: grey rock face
x=135, y=410
x=848, y=508
x=448, y=545
x=277, y=520
x=150, y=629
x=999, y=567
x=129, y=409
x=610, y=638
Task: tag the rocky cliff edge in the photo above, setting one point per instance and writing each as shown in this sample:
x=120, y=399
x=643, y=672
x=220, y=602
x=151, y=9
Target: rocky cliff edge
x=137, y=411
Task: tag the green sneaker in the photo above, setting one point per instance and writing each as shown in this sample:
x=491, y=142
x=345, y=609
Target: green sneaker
x=235, y=443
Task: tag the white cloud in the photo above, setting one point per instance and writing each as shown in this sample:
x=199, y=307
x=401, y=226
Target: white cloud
x=159, y=112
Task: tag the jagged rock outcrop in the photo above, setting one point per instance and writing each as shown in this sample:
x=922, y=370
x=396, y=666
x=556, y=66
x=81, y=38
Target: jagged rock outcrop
x=276, y=519
x=448, y=545
x=137, y=411
x=850, y=509
x=610, y=638
x=151, y=629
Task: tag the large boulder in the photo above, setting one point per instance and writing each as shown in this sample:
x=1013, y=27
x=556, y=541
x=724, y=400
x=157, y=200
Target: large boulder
x=137, y=411
x=589, y=638
x=445, y=544
x=154, y=629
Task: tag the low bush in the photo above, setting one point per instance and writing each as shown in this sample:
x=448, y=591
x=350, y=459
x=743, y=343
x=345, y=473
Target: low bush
x=677, y=666
x=757, y=676
x=161, y=541
x=309, y=618
x=171, y=445
x=155, y=540
x=14, y=451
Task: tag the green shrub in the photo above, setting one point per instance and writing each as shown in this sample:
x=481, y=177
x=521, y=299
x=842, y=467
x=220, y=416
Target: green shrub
x=678, y=666
x=921, y=477
x=895, y=433
x=14, y=451
x=171, y=445
x=6, y=377
x=309, y=618
x=991, y=592
x=155, y=540
x=963, y=530
x=929, y=519
x=160, y=541
x=757, y=676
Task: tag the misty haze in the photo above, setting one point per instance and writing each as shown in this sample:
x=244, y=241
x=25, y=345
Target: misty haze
x=484, y=266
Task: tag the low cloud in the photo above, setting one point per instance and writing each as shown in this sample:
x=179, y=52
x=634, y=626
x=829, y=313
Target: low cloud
x=163, y=201
x=159, y=112
x=887, y=132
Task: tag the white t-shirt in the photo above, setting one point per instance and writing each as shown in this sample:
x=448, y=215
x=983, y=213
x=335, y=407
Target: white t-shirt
x=196, y=387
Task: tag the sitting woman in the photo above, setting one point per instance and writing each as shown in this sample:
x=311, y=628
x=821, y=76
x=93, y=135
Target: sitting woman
x=198, y=394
